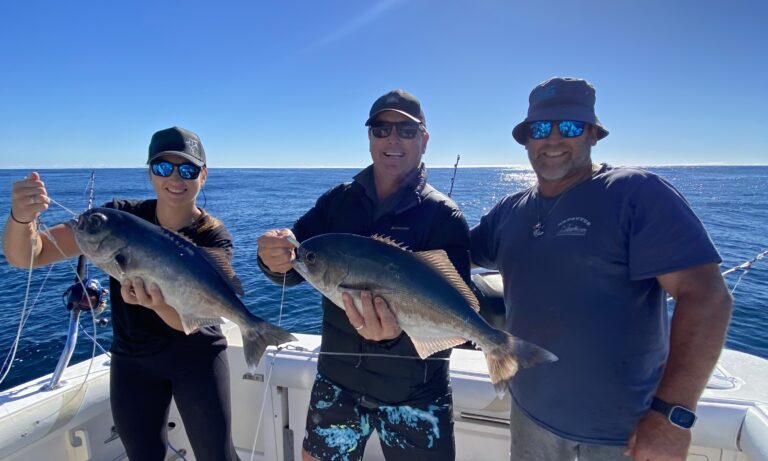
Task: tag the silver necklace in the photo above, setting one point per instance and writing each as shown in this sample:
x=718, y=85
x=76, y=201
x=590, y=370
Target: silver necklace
x=538, y=228
x=194, y=218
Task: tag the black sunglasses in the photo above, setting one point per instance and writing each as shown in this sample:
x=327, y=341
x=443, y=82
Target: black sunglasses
x=405, y=130
x=164, y=169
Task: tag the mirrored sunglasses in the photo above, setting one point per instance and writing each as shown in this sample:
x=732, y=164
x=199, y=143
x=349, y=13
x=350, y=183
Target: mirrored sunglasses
x=405, y=130
x=164, y=169
x=543, y=128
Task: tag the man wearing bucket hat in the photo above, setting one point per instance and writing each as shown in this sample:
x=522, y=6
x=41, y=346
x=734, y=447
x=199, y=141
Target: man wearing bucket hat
x=369, y=374
x=587, y=256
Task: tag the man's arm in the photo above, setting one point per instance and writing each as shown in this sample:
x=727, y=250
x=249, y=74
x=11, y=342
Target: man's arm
x=699, y=324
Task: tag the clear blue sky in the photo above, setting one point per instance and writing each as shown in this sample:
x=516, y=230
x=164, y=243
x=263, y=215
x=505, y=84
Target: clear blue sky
x=289, y=83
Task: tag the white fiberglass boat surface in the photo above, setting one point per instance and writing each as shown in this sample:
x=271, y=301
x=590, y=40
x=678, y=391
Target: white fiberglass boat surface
x=74, y=422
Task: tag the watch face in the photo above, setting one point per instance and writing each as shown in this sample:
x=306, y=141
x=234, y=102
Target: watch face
x=682, y=417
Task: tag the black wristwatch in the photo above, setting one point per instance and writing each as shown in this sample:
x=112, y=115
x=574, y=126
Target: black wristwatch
x=678, y=415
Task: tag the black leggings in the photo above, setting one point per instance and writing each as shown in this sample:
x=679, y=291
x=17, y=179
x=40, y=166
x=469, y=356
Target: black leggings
x=140, y=396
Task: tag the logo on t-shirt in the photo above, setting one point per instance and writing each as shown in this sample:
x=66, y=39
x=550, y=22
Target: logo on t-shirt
x=573, y=227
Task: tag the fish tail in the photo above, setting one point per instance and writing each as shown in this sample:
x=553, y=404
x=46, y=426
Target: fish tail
x=257, y=335
x=508, y=355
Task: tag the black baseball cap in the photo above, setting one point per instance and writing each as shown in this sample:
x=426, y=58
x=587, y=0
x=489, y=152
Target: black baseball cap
x=560, y=98
x=177, y=141
x=399, y=101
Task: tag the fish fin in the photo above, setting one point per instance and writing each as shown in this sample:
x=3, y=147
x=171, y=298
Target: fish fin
x=190, y=324
x=438, y=259
x=510, y=354
x=428, y=346
x=257, y=335
x=220, y=257
x=389, y=241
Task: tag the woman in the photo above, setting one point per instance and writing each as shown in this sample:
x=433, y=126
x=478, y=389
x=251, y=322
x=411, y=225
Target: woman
x=152, y=359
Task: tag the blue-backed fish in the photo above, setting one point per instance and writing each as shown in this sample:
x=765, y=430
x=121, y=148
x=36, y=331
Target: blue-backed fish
x=199, y=283
x=430, y=300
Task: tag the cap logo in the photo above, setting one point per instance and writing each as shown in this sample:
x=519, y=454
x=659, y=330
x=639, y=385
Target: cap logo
x=192, y=144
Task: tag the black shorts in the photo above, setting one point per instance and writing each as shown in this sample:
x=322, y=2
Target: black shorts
x=339, y=423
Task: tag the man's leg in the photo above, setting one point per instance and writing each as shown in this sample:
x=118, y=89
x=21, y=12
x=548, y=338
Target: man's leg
x=419, y=432
x=337, y=427
x=531, y=442
x=589, y=452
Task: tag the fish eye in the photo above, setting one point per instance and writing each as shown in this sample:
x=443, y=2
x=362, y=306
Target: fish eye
x=96, y=220
x=310, y=257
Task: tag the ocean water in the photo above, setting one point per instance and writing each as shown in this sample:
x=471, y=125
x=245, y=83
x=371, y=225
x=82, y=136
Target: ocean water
x=731, y=201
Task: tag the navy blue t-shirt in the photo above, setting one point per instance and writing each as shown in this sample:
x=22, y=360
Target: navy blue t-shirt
x=586, y=290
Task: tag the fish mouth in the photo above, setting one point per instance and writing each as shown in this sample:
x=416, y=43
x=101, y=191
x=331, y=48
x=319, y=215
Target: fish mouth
x=299, y=266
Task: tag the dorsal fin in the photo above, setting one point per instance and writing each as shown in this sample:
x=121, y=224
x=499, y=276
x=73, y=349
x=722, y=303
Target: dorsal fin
x=389, y=241
x=438, y=259
x=220, y=259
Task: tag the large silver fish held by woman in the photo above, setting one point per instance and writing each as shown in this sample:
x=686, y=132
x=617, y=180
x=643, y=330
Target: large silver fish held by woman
x=428, y=297
x=198, y=283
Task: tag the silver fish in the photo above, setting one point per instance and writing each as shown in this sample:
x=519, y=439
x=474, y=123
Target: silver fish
x=428, y=297
x=198, y=283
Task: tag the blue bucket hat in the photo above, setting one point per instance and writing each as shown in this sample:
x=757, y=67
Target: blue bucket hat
x=560, y=98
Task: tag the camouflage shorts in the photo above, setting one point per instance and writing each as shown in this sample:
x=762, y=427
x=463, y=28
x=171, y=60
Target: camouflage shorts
x=339, y=423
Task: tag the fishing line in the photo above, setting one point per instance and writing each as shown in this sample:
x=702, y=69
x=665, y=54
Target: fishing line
x=269, y=373
x=15, y=345
x=25, y=316
x=65, y=208
x=44, y=230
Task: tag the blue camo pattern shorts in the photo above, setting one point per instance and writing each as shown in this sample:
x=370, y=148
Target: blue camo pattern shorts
x=340, y=422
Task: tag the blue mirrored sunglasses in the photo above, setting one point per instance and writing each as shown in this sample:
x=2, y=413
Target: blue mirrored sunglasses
x=543, y=128
x=405, y=130
x=164, y=168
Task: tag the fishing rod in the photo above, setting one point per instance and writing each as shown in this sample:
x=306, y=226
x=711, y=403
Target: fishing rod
x=83, y=295
x=455, y=168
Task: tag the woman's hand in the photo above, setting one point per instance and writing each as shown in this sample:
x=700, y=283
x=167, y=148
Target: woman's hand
x=28, y=198
x=135, y=291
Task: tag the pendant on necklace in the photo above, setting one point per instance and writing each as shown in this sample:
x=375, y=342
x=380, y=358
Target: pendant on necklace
x=538, y=230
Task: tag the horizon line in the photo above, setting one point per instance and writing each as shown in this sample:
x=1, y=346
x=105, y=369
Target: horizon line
x=344, y=167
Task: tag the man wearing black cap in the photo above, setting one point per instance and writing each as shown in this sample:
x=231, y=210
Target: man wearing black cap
x=588, y=256
x=358, y=388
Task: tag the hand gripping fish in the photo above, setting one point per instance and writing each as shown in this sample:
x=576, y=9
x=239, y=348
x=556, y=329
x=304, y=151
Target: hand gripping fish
x=428, y=297
x=198, y=283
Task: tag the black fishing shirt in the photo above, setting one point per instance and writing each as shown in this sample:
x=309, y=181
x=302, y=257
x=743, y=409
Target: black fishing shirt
x=417, y=216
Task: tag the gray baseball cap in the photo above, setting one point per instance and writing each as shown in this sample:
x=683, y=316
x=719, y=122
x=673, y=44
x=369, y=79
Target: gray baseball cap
x=560, y=98
x=177, y=141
